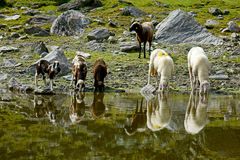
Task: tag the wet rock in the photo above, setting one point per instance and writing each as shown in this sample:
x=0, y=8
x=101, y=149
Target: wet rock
x=45, y=91
x=232, y=27
x=3, y=26
x=44, y=54
x=83, y=54
x=98, y=34
x=30, y=12
x=18, y=27
x=14, y=35
x=55, y=55
x=215, y=11
x=226, y=12
x=15, y=85
x=77, y=4
x=112, y=40
x=41, y=19
x=236, y=51
x=132, y=11
x=3, y=76
x=210, y=24
x=36, y=31
x=95, y=46
x=23, y=37
x=6, y=49
x=70, y=23
x=14, y=17
x=39, y=47
x=129, y=47
x=219, y=77
x=171, y=30
x=111, y=23
x=9, y=63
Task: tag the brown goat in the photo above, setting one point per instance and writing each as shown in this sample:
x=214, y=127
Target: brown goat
x=99, y=73
x=79, y=73
x=144, y=34
x=42, y=67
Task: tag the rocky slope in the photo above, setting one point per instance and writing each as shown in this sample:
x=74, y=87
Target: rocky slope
x=28, y=31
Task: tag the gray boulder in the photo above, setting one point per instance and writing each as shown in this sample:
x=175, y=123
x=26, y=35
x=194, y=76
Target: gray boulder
x=215, y=11
x=180, y=27
x=3, y=76
x=9, y=63
x=132, y=11
x=210, y=23
x=98, y=34
x=36, y=31
x=70, y=23
x=41, y=19
x=15, y=85
x=39, y=47
x=232, y=27
x=6, y=49
x=129, y=47
x=14, y=17
x=77, y=4
x=95, y=46
x=55, y=55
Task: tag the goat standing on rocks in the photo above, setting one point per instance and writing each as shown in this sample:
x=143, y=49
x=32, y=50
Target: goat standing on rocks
x=79, y=72
x=99, y=73
x=144, y=34
x=198, y=66
x=42, y=67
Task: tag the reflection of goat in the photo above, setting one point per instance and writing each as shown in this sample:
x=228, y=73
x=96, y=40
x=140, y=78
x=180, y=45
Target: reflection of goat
x=43, y=67
x=158, y=113
x=144, y=34
x=98, y=107
x=99, y=73
x=45, y=106
x=79, y=72
x=77, y=108
x=138, y=122
x=198, y=66
x=161, y=65
x=196, y=113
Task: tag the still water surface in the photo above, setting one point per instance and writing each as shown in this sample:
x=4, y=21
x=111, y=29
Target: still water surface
x=119, y=126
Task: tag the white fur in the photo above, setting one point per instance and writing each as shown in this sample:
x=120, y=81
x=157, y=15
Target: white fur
x=158, y=116
x=198, y=65
x=163, y=65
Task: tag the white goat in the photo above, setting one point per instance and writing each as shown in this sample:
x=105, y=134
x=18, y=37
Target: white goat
x=198, y=65
x=161, y=65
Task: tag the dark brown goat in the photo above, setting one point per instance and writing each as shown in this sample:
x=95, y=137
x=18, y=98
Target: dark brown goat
x=144, y=34
x=42, y=67
x=79, y=73
x=138, y=121
x=99, y=73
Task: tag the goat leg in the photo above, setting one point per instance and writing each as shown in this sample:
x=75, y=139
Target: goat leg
x=150, y=44
x=140, y=48
x=36, y=80
x=144, y=49
x=51, y=84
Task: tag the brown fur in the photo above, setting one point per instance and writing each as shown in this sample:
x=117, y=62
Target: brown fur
x=99, y=73
x=144, y=34
x=79, y=72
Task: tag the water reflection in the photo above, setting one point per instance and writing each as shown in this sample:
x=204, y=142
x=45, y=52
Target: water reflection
x=77, y=107
x=158, y=112
x=45, y=106
x=98, y=107
x=196, y=113
x=137, y=123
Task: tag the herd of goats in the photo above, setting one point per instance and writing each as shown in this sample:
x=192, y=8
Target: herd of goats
x=161, y=65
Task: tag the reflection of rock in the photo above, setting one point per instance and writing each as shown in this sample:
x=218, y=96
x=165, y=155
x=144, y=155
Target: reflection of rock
x=158, y=113
x=138, y=121
x=77, y=107
x=196, y=113
x=98, y=107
